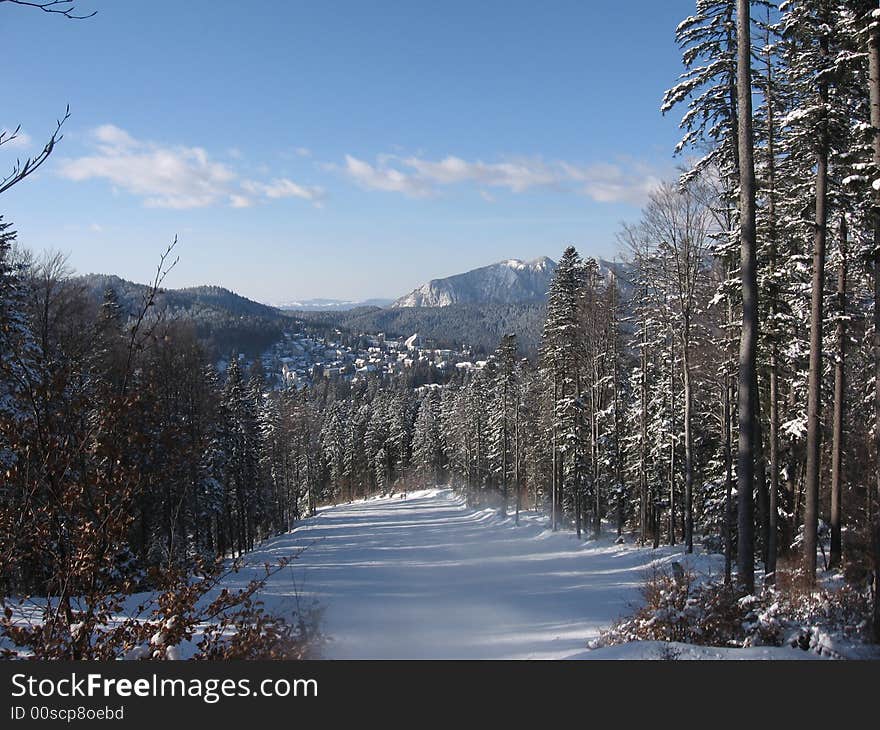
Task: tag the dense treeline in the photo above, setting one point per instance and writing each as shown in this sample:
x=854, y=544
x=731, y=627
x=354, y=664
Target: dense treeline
x=127, y=465
x=772, y=239
x=648, y=411
x=114, y=423
x=125, y=452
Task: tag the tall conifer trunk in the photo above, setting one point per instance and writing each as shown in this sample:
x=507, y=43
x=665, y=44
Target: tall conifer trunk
x=673, y=467
x=688, y=451
x=814, y=385
x=643, y=460
x=874, y=89
x=748, y=390
x=773, y=499
x=839, y=390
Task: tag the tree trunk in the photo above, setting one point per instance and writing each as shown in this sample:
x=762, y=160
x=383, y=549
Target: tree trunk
x=747, y=381
x=554, y=486
x=773, y=498
x=773, y=525
x=728, y=477
x=516, y=471
x=761, y=481
x=672, y=465
x=643, y=461
x=618, y=481
x=814, y=386
x=839, y=388
x=874, y=89
x=595, y=406
x=505, y=449
x=688, y=443
x=728, y=398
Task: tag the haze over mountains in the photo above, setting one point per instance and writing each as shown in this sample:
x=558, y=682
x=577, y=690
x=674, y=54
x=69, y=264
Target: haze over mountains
x=331, y=305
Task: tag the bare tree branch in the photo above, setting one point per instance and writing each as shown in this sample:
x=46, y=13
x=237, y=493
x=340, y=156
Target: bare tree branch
x=55, y=7
x=136, y=342
x=22, y=169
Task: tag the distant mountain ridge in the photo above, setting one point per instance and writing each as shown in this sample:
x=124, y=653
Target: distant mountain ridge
x=474, y=308
x=224, y=320
x=331, y=305
x=130, y=294
x=505, y=282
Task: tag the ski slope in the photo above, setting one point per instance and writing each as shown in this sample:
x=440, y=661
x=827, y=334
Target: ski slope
x=429, y=578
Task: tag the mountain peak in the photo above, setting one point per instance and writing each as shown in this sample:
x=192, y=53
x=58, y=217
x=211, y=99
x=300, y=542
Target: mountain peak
x=504, y=282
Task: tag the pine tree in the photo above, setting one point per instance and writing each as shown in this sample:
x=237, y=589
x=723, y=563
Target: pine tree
x=560, y=348
x=375, y=437
x=333, y=445
x=502, y=420
x=812, y=128
x=17, y=351
x=671, y=249
x=426, y=442
x=242, y=454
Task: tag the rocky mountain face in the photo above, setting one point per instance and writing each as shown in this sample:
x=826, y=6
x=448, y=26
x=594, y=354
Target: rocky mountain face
x=503, y=283
x=507, y=282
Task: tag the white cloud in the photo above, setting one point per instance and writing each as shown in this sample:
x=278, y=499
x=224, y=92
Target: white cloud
x=96, y=228
x=111, y=137
x=303, y=152
x=383, y=177
x=165, y=176
x=419, y=177
x=517, y=176
x=168, y=176
x=19, y=141
x=284, y=188
x=608, y=183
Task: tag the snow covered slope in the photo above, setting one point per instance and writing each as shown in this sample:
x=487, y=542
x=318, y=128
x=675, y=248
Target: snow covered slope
x=426, y=577
x=501, y=283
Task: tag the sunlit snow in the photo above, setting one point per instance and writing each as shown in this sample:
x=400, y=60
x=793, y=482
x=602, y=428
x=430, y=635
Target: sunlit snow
x=427, y=577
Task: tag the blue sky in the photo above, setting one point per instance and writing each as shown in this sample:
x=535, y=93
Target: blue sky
x=330, y=149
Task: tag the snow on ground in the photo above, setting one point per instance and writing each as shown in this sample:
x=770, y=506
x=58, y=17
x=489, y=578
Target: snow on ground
x=659, y=650
x=429, y=578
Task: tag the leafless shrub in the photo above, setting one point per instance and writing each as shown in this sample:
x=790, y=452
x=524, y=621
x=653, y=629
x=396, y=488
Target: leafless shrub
x=708, y=613
x=191, y=609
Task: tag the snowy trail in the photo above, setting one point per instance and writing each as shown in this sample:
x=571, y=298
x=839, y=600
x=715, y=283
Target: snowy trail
x=430, y=578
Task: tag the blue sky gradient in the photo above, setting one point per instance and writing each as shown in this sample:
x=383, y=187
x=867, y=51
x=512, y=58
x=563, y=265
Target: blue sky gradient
x=330, y=149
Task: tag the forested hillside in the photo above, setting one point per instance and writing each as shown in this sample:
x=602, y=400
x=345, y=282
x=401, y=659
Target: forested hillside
x=477, y=325
x=225, y=321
